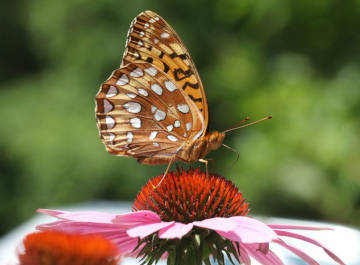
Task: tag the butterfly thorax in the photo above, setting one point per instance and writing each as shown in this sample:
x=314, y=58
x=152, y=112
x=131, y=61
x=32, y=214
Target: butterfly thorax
x=192, y=152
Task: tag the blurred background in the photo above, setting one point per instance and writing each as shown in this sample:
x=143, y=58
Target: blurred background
x=295, y=60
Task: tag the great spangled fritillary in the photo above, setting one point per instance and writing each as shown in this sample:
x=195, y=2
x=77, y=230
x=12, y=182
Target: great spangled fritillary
x=154, y=107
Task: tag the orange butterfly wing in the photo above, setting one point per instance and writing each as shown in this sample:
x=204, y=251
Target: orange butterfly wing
x=141, y=113
x=151, y=39
x=155, y=103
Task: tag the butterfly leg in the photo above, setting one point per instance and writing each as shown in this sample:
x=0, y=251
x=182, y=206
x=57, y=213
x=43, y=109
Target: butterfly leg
x=206, y=162
x=212, y=162
x=167, y=170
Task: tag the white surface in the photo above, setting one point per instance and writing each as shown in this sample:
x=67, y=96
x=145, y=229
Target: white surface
x=345, y=242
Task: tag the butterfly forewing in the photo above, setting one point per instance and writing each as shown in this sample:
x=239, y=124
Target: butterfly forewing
x=151, y=39
x=141, y=112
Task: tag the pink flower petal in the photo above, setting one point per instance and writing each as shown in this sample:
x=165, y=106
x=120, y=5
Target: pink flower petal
x=270, y=258
x=177, y=230
x=53, y=213
x=312, y=241
x=125, y=244
x=217, y=224
x=296, y=227
x=137, y=218
x=113, y=227
x=78, y=227
x=242, y=255
x=88, y=216
x=145, y=230
x=118, y=236
x=249, y=230
x=297, y=252
x=264, y=247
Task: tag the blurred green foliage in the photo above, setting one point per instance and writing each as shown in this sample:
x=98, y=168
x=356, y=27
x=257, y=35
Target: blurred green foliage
x=295, y=60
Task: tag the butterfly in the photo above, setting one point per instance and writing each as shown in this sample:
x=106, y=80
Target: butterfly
x=154, y=107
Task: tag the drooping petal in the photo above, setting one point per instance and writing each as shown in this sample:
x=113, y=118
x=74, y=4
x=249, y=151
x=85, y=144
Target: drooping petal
x=53, y=213
x=249, y=230
x=85, y=216
x=125, y=244
x=145, y=230
x=137, y=218
x=312, y=241
x=270, y=258
x=177, y=230
x=264, y=247
x=222, y=224
x=78, y=227
x=297, y=252
x=242, y=254
x=296, y=227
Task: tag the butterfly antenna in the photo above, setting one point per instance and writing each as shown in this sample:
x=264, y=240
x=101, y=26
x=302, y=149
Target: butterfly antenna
x=244, y=120
x=235, y=151
x=248, y=124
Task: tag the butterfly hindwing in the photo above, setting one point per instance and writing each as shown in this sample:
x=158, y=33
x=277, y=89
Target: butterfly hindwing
x=151, y=39
x=141, y=112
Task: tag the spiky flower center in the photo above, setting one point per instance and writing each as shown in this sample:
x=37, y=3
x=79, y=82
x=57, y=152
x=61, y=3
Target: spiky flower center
x=56, y=248
x=187, y=196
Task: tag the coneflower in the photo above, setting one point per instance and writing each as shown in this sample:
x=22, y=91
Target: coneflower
x=190, y=218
